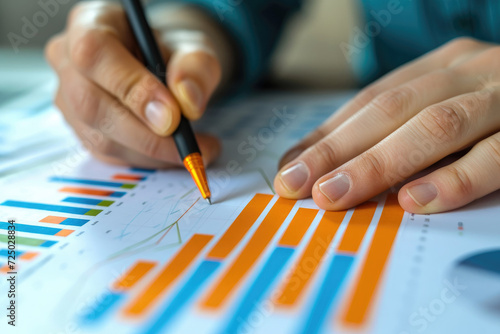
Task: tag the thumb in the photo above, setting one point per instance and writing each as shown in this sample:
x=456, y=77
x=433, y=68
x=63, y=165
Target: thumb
x=194, y=72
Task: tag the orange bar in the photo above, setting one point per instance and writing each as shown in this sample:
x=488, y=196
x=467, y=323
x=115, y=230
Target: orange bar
x=240, y=227
x=86, y=191
x=5, y=269
x=134, y=275
x=312, y=256
x=356, y=229
x=128, y=177
x=374, y=263
x=167, y=276
x=223, y=288
x=298, y=227
x=64, y=233
x=52, y=220
x=28, y=256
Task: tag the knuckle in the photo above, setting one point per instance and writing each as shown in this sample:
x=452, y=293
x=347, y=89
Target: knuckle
x=462, y=43
x=374, y=165
x=475, y=105
x=366, y=95
x=85, y=50
x=461, y=182
x=444, y=123
x=50, y=49
x=131, y=90
x=77, y=10
x=394, y=102
x=493, y=149
x=325, y=152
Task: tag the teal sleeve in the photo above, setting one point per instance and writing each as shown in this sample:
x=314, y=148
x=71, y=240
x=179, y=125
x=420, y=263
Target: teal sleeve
x=255, y=27
x=395, y=32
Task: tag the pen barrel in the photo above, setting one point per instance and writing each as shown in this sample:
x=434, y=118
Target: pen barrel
x=145, y=38
x=183, y=136
x=184, y=139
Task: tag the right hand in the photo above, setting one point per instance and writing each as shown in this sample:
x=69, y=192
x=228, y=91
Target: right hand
x=122, y=113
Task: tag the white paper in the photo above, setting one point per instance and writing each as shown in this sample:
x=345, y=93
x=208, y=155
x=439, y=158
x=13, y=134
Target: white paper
x=421, y=289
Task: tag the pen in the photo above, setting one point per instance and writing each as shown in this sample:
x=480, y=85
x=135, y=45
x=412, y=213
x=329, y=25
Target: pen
x=183, y=136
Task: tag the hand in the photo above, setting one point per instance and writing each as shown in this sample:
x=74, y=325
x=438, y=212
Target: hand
x=122, y=112
x=442, y=103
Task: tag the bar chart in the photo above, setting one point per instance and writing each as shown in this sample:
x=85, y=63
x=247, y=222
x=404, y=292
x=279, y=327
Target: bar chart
x=111, y=249
x=290, y=250
x=51, y=229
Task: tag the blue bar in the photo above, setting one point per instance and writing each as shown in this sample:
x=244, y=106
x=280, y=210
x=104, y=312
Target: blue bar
x=188, y=290
x=90, y=182
x=5, y=252
x=48, y=243
x=142, y=170
x=101, y=308
x=82, y=200
x=259, y=288
x=31, y=228
x=337, y=272
x=117, y=194
x=74, y=222
x=47, y=207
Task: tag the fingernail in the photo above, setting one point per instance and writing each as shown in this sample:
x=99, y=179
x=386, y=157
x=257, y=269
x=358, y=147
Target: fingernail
x=191, y=93
x=335, y=188
x=158, y=116
x=422, y=193
x=294, y=177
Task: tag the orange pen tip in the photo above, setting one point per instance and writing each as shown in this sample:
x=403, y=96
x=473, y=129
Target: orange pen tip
x=194, y=164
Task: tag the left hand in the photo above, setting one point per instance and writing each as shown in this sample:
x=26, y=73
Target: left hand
x=441, y=103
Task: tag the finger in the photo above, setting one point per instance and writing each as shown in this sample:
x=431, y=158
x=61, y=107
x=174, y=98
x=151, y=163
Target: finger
x=114, y=153
x=101, y=57
x=104, y=14
x=194, y=70
x=469, y=178
x=55, y=52
x=440, y=58
x=108, y=118
x=379, y=118
x=434, y=133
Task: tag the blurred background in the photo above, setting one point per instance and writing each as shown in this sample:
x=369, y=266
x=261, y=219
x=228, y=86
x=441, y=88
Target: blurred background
x=308, y=55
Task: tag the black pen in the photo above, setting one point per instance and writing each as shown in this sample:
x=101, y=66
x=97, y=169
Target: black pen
x=183, y=136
